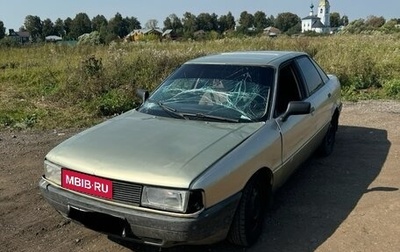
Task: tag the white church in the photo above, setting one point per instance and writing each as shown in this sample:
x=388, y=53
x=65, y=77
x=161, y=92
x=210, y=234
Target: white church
x=320, y=22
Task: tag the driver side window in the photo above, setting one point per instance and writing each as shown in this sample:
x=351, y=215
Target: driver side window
x=287, y=89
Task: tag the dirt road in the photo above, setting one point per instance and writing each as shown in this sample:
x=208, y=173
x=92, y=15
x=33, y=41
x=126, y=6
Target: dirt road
x=349, y=201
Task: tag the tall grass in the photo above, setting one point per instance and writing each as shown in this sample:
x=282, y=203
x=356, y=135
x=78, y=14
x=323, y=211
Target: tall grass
x=52, y=86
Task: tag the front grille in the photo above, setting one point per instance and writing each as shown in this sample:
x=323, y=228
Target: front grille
x=127, y=193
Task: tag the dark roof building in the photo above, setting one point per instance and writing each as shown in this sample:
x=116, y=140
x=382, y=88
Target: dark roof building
x=21, y=36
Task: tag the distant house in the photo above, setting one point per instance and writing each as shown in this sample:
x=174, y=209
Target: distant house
x=21, y=37
x=53, y=38
x=142, y=34
x=272, y=31
x=169, y=34
x=199, y=34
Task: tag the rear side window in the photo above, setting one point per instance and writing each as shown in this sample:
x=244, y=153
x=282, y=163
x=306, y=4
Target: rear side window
x=310, y=73
x=323, y=75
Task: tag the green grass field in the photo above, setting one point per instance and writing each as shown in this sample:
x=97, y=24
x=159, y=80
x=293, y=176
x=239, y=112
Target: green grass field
x=52, y=86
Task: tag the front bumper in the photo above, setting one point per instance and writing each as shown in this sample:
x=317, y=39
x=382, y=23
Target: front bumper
x=210, y=226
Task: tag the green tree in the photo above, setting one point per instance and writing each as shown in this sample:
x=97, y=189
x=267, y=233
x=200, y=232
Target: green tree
x=106, y=36
x=214, y=21
x=271, y=20
x=67, y=28
x=81, y=24
x=189, y=23
x=375, y=22
x=356, y=26
x=59, y=29
x=226, y=22
x=174, y=23
x=345, y=20
x=390, y=26
x=118, y=26
x=246, y=21
x=98, y=22
x=207, y=22
x=100, y=25
x=296, y=29
x=92, y=38
x=213, y=35
x=48, y=28
x=335, y=19
x=261, y=21
x=285, y=21
x=33, y=25
x=132, y=23
x=2, y=30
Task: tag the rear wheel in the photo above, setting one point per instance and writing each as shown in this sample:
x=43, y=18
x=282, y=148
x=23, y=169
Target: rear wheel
x=326, y=147
x=249, y=217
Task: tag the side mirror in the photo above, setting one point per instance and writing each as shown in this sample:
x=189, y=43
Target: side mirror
x=142, y=94
x=296, y=108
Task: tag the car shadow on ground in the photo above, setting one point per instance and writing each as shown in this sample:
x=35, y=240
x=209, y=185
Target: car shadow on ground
x=318, y=197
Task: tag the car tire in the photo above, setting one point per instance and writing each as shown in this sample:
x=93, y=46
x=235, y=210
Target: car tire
x=326, y=147
x=249, y=217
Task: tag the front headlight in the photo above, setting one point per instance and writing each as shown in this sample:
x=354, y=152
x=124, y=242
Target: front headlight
x=181, y=201
x=52, y=172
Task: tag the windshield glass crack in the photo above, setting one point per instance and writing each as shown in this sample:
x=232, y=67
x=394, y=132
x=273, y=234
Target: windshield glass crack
x=236, y=93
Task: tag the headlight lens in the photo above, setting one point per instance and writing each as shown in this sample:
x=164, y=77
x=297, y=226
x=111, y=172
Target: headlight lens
x=165, y=199
x=52, y=172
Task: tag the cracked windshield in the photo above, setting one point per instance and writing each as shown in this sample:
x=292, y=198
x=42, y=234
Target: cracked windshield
x=212, y=92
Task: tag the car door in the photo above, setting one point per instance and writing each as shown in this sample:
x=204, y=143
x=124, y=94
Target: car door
x=297, y=130
x=318, y=94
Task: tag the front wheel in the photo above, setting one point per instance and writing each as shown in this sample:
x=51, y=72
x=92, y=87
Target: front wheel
x=249, y=217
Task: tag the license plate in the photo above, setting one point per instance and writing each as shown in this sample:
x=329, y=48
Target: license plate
x=87, y=184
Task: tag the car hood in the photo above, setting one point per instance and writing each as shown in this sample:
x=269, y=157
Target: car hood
x=141, y=148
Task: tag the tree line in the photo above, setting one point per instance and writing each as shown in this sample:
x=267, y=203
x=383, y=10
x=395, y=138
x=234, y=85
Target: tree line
x=212, y=24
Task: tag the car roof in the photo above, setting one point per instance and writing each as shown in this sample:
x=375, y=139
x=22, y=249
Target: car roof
x=260, y=58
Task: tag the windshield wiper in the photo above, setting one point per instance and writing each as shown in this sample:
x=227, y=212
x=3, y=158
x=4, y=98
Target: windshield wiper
x=213, y=117
x=185, y=116
x=171, y=110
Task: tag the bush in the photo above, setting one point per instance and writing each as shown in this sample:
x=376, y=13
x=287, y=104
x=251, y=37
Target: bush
x=114, y=102
x=392, y=88
x=92, y=38
x=92, y=67
x=8, y=42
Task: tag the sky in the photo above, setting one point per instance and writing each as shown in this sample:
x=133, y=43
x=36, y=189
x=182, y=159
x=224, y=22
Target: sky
x=13, y=12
